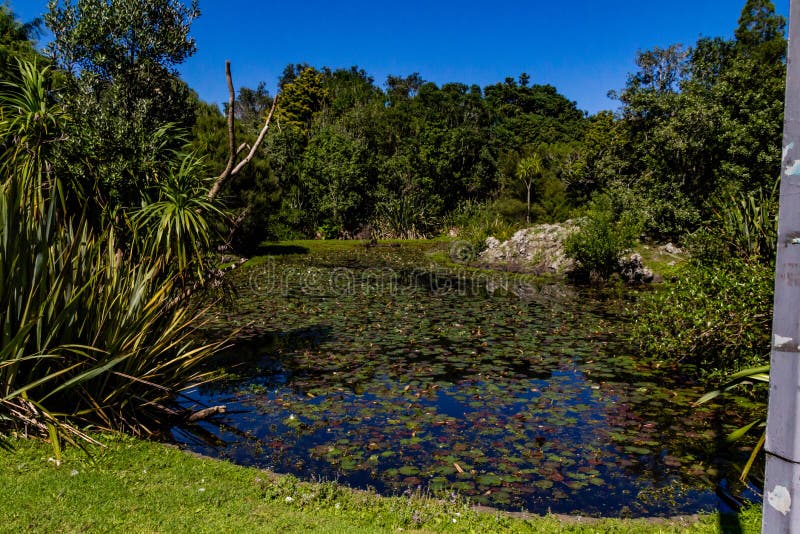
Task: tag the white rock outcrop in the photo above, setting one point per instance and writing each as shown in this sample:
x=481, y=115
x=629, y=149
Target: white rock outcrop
x=538, y=249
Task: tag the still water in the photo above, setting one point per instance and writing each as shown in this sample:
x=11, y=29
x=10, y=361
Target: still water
x=375, y=368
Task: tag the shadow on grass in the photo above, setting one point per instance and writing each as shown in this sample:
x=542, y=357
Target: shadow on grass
x=730, y=524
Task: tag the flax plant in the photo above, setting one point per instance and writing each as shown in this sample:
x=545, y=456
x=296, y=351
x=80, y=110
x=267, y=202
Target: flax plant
x=89, y=334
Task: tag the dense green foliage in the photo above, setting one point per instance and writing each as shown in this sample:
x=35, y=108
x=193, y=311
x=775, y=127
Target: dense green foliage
x=122, y=92
x=16, y=42
x=348, y=157
x=603, y=238
x=92, y=332
x=718, y=314
x=697, y=123
x=717, y=318
x=708, y=123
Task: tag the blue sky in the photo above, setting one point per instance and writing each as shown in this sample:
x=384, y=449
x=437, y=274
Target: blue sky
x=583, y=47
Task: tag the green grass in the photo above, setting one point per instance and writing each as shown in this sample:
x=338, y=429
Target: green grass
x=137, y=486
x=269, y=249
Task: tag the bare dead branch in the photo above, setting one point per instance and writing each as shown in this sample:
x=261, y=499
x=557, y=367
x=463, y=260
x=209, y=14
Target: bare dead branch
x=205, y=413
x=212, y=193
x=232, y=168
x=261, y=136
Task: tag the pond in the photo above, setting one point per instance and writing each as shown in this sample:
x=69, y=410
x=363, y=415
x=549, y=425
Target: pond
x=376, y=368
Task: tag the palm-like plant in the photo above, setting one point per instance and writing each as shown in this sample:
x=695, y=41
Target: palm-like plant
x=749, y=222
x=528, y=170
x=87, y=335
x=176, y=227
x=29, y=120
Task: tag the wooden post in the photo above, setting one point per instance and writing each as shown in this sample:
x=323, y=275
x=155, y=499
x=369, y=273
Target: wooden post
x=781, y=509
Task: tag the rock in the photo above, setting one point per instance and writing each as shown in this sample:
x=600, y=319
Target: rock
x=669, y=248
x=632, y=270
x=538, y=249
x=492, y=242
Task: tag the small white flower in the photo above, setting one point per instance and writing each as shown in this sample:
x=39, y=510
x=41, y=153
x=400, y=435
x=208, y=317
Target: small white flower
x=201, y=490
x=73, y=472
x=454, y=520
x=337, y=505
x=288, y=499
x=291, y=417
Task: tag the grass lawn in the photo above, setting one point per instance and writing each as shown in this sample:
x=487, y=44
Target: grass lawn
x=137, y=486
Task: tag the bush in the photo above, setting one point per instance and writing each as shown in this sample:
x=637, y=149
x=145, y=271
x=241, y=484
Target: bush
x=512, y=210
x=718, y=314
x=604, y=237
x=477, y=221
x=90, y=335
x=664, y=213
x=744, y=226
x=407, y=216
x=715, y=317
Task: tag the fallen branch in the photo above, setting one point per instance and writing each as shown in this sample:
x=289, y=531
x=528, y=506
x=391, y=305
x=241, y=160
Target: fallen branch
x=205, y=413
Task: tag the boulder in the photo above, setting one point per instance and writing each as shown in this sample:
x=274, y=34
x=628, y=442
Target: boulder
x=632, y=270
x=669, y=248
x=538, y=249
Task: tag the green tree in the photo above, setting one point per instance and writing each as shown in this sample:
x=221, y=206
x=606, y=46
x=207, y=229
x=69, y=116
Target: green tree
x=751, y=92
x=701, y=122
x=303, y=97
x=528, y=170
x=16, y=42
x=759, y=25
x=123, y=89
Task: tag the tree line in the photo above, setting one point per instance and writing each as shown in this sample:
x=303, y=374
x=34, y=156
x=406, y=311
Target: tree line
x=347, y=156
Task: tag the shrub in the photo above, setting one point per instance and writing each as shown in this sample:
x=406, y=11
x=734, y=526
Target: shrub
x=407, y=216
x=664, y=213
x=512, y=210
x=88, y=334
x=604, y=237
x=477, y=221
x=718, y=314
x=176, y=226
x=744, y=226
x=715, y=317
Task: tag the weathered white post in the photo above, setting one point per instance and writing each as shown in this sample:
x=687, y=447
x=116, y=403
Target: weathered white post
x=782, y=482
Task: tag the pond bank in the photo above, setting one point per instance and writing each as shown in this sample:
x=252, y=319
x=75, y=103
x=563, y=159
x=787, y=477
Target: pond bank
x=138, y=486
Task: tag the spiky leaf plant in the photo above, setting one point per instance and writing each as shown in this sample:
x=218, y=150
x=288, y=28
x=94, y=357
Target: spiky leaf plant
x=88, y=333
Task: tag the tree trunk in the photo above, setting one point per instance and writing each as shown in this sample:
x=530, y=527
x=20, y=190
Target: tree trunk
x=232, y=168
x=529, y=202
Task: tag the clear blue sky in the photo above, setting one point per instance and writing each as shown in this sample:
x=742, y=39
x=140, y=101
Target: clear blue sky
x=583, y=47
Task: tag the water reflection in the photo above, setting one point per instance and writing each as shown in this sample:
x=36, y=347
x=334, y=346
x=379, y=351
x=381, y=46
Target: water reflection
x=518, y=398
